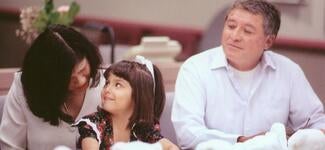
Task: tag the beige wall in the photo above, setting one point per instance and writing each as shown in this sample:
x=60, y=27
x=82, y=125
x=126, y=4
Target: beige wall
x=306, y=20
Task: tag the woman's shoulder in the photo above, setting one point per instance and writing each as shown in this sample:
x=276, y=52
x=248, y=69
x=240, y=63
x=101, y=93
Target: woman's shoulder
x=17, y=79
x=16, y=90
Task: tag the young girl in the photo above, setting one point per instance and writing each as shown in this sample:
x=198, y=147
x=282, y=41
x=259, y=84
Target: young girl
x=133, y=99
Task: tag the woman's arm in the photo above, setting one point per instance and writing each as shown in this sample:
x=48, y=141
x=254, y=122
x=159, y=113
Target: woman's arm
x=13, y=128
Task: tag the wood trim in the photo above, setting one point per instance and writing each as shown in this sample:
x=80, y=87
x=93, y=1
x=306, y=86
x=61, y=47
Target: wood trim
x=287, y=42
x=9, y=13
x=6, y=78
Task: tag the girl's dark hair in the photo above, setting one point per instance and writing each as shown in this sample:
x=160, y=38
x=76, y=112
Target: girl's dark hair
x=47, y=69
x=149, y=97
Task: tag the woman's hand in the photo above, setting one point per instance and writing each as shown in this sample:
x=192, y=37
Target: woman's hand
x=168, y=145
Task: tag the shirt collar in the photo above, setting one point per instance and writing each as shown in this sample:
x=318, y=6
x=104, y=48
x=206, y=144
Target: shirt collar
x=219, y=60
x=267, y=61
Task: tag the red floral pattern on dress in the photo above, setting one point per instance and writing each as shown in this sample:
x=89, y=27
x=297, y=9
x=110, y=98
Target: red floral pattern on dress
x=103, y=122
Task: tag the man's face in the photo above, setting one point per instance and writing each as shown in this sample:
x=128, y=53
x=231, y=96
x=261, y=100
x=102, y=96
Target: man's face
x=244, y=40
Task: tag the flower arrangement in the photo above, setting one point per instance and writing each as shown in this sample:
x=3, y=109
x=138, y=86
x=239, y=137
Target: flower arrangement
x=34, y=20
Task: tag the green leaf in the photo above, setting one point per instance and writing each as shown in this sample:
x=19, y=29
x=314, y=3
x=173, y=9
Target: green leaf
x=74, y=9
x=49, y=6
x=48, y=15
x=64, y=19
x=41, y=22
x=54, y=17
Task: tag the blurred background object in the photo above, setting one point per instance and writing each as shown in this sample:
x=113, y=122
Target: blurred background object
x=190, y=22
x=155, y=48
x=34, y=20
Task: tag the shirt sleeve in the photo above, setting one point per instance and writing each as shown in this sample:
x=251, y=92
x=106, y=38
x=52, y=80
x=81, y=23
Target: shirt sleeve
x=188, y=110
x=306, y=109
x=13, y=128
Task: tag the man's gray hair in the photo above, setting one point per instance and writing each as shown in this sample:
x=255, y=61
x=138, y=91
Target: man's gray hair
x=271, y=15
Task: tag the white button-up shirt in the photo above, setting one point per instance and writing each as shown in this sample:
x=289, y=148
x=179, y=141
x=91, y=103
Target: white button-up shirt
x=208, y=105
x=20, y=129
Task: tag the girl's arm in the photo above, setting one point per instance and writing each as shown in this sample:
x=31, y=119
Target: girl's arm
x=167, y=145
x=89, y=143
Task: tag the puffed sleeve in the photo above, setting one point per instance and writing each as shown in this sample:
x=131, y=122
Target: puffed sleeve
x=13, y=128
x=86, y=128
x=147, y=133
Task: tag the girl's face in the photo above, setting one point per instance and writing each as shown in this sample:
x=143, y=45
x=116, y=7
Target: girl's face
x=117, y=96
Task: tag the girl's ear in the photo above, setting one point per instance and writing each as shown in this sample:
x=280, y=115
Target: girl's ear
x=269, y=41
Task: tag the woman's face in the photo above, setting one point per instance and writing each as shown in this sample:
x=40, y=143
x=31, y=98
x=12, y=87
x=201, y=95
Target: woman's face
x=80, y=76
x=117, y=96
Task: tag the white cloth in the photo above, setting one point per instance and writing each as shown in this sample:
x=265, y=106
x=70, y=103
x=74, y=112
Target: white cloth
x=307, y=139
x=207, y=103
x=136, y=145
x=20, y=129
x=275, y=139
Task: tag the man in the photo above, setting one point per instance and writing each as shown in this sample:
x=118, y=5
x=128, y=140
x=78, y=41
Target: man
x=238, y=90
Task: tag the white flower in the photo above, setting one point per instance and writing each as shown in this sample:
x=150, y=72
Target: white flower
x=63, y=8
x=27, y=17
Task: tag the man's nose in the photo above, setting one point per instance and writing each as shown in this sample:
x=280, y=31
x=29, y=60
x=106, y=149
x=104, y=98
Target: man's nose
x=236, y=35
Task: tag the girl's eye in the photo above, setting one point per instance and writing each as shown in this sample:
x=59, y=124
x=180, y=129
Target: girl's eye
x=118, y=85
x=106, y=83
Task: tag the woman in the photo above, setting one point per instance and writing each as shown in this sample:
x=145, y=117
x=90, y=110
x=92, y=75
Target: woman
x=58, y=84
x=133, y=99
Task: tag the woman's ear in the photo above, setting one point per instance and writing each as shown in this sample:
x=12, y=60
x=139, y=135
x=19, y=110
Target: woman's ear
x=269, y=41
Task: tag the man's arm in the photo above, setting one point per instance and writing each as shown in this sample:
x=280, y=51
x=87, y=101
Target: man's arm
x=188, y=113
x=306, y=109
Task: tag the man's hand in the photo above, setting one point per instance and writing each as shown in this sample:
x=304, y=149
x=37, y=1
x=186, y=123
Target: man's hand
x=245, y=138
x=323, y=130
x=289, y=132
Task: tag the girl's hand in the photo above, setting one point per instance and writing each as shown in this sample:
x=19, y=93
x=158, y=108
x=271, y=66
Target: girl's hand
x=168, y=145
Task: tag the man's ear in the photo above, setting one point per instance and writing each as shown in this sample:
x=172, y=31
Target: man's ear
x=269, y=41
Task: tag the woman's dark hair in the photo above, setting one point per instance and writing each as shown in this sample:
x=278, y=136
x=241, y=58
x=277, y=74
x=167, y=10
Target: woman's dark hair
x=47, y=69
x=149, y=96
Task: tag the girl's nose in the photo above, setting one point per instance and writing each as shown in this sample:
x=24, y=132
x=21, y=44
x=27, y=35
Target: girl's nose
x=106, y=88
